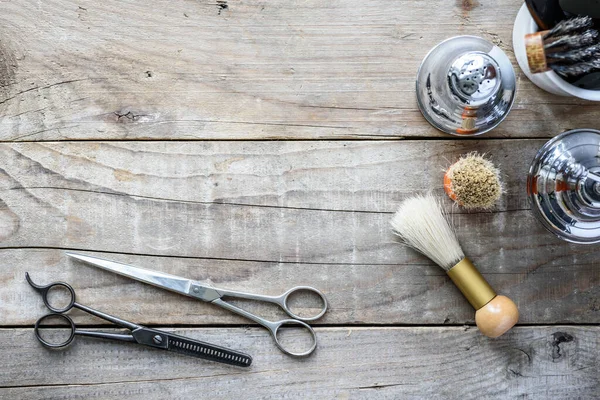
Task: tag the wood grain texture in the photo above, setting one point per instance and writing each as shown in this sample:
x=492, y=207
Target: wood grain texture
x=143, y=133
x=267, y=216
x=357, y=294
x=243, y=70
x=531, y=362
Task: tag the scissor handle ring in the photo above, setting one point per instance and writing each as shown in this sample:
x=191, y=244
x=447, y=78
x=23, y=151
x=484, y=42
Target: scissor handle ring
x=45, y=290
x=55, y=345
x=286, y=308
x=275, y=330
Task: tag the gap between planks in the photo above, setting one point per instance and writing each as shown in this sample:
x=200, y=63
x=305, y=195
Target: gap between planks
x=372, y=138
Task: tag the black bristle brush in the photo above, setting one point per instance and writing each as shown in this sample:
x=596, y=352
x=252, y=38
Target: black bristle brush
x=571, y=48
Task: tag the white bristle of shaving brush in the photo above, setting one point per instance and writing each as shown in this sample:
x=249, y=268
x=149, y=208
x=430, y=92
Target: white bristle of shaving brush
x=422, y=225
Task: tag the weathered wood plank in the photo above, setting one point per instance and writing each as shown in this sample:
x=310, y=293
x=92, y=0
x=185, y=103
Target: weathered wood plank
x=266, y=216
x=359, y=176
x=242, y=70
x=530, y=362
x=357, y=293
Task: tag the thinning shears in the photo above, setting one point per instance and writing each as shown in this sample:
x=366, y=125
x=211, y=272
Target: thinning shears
x=215, y=296
x=139, y=333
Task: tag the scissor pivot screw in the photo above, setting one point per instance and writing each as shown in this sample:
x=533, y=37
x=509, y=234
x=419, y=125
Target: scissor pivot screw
x=157, y=339
x=196, y=290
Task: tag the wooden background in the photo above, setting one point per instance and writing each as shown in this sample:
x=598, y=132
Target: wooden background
x=262, y=145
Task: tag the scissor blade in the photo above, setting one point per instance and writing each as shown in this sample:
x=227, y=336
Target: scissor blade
x=155, y=278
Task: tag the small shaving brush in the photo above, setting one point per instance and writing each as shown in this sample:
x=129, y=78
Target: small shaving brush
x=473, y=182
x=422, y=225
x=570, y=49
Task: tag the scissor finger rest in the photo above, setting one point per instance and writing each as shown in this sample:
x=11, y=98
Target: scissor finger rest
x=276, y=332
x=45, y=291
x=46, y=343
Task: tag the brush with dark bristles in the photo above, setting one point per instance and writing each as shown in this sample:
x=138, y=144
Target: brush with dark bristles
x=422, y=225
x=571, y=48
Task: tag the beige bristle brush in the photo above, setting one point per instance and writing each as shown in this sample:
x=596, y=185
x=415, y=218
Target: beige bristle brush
x=473, y=182
x=422, y=225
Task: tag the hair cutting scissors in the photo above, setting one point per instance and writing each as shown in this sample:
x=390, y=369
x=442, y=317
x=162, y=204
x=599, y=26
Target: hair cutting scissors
x=139, y=334
x=215, y=296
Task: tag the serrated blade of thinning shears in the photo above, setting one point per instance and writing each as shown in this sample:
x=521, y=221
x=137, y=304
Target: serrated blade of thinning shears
x=207, y=351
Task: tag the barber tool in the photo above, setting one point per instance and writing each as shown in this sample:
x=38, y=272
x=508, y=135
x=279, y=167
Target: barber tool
x=546, y=13
x=215, y=296
x=465, y=86
x=473, y=182
x=139, y=333
x=422, y=225
x=564, y=186
x=585, y=87
x=570, y=49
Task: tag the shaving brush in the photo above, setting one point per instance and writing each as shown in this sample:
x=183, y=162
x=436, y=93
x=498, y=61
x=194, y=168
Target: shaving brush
x=570, y=49
x=422, y=225
x=473, y=182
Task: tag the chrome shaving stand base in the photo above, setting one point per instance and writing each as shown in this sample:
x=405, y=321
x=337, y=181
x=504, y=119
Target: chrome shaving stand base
x=564, y=186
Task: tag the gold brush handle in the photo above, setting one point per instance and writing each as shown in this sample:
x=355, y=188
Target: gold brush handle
x=495, y=314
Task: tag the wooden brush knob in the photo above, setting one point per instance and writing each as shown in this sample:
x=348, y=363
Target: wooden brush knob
x=497, y=316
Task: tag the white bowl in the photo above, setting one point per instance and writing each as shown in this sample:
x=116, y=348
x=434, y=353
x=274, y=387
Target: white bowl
x=549, y=81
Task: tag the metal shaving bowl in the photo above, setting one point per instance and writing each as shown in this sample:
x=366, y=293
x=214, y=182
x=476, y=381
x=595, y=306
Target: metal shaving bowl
x=465, y=86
